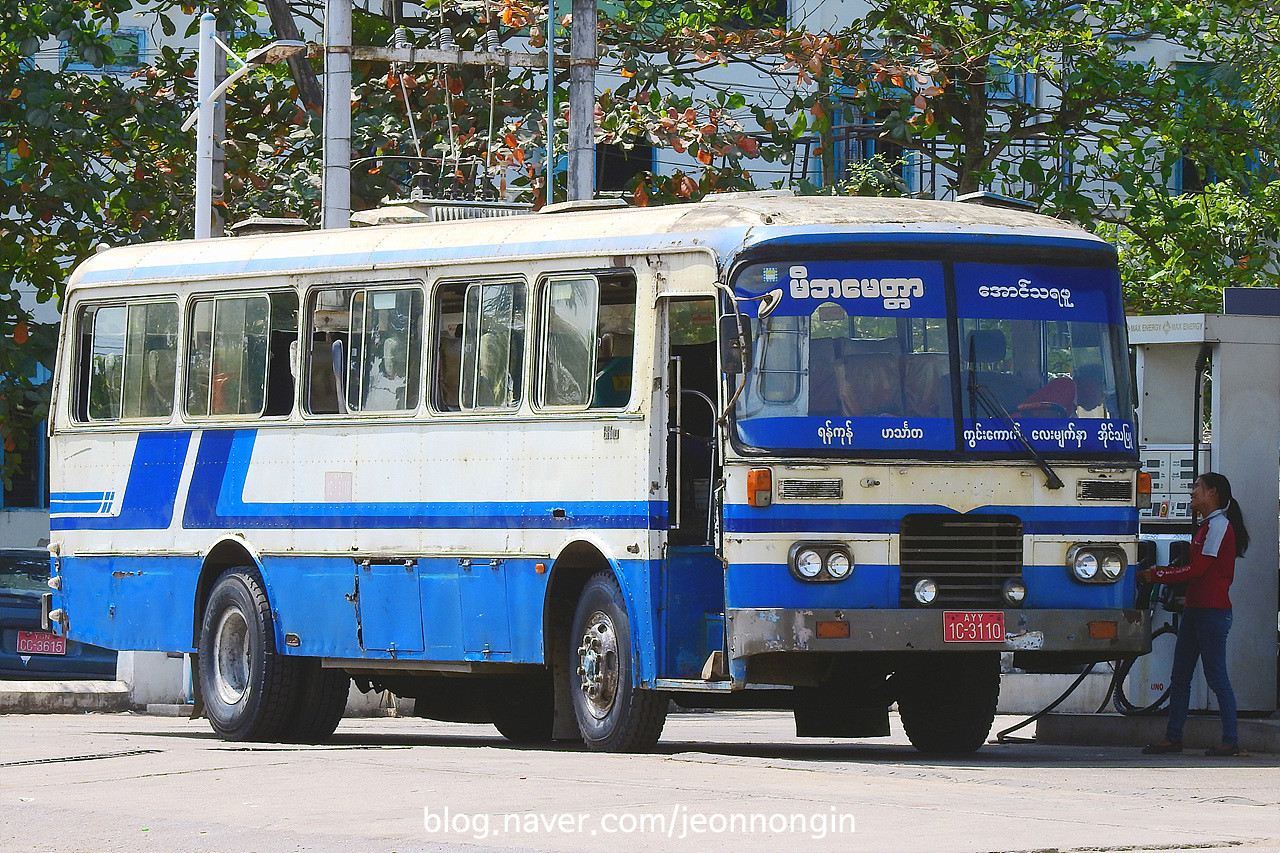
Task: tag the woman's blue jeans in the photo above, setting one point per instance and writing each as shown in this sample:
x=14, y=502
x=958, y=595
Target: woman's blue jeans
x=1202, y=634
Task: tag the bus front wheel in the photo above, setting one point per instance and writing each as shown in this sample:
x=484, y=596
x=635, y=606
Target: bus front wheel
x=247, y=685
x=613, y=714
x=947, y=702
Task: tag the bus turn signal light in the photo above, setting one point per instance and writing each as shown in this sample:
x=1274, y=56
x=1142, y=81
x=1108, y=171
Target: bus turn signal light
x=760, y=487
x=1144, y=490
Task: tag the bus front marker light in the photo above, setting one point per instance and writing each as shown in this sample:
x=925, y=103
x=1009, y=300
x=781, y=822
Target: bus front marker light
x=839, y=565
x=1014, y=591
x=925, y=591
x=808, y=563
x=1103, y=630
x=760, y=487
x=833, y=629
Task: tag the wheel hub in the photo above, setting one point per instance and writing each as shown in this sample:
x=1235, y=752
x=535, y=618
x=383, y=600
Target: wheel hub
x=231, y=656
x=598, y=664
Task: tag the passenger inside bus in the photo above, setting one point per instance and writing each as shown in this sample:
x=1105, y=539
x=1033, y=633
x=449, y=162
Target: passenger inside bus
x=926, y=384
x=386, y=385
x=324, y=397
x=1090, y=391
x=867, y=378
x=449, y=358
x=613, y=370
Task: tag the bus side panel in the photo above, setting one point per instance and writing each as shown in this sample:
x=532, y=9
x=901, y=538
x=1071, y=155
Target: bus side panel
x=143, y=603
x=432, y=609
x=309, y=596
x=641, y=581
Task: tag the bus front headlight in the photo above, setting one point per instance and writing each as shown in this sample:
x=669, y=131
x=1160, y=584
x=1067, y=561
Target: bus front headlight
x=1112, y=565
x=1091, y=563
x=820, y=562
x=925, y=591
x=808, y=563
x=839, y=565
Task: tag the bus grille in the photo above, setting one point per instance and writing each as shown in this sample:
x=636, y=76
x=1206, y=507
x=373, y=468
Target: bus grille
x=969, y=557
x=816, y=490
x=1104, y=490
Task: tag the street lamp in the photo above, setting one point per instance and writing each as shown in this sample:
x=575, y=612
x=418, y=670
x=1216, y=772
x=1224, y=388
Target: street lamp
x=207, y=97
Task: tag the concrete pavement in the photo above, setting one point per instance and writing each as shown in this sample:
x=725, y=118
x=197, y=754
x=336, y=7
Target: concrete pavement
x=80, y=783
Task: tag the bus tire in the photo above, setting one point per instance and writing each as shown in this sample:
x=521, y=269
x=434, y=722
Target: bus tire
x=247, y=685
x=522, y=709
x=320, y=699
x=613, y=714
x=947, y=702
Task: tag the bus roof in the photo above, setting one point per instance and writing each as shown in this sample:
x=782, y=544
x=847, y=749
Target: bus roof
x=724, y=225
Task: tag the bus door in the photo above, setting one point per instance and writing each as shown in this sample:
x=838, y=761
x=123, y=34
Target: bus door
x=692, y=574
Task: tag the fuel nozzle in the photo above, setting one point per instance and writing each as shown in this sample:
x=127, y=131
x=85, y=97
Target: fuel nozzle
x=1145, y=597
x=1173, y=596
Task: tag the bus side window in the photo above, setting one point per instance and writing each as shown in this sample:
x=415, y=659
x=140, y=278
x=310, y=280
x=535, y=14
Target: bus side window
x=102, y=336
x=227, y=353
x=588, y=342
x=615, y=347
x=128, y=358
x=569, y=308
x=326, y=361
x=492, y=345
x=447, y=373
x=150, y=356
x=385, y=339
x=280, y=364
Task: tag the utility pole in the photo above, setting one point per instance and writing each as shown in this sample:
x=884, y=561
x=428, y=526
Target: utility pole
x=336, y=186
x=204, y=130
x=582, y=101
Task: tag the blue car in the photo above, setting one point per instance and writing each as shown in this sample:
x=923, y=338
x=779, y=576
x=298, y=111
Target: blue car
x=28, y=651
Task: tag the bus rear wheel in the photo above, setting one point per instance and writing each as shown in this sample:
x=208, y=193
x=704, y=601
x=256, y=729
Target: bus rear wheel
x=320, y=699
x=947, y=702
x=613, y=714
x=247, y=685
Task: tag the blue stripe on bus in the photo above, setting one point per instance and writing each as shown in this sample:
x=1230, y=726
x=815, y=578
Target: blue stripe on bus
x=150, y=493
x=886, y=519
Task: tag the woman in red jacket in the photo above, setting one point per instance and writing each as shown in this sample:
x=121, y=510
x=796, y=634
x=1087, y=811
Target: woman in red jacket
x=1206, y=618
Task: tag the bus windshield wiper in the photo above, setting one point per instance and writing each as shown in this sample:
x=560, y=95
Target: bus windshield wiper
x=993, y=407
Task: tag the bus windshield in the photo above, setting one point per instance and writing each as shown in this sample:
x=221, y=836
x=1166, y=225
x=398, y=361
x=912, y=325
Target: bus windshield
x=855, y=356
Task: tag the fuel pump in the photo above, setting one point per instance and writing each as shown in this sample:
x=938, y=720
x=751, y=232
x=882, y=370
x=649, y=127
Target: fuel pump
x=1238, y=359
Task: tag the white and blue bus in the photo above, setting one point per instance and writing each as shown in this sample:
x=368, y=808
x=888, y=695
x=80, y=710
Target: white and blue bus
x=554, y=471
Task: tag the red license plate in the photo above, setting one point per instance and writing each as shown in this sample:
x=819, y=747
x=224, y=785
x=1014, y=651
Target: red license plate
x=39, y=643
x=973, y=626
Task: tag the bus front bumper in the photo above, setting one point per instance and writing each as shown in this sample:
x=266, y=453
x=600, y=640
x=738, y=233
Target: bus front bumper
x=1108, y=634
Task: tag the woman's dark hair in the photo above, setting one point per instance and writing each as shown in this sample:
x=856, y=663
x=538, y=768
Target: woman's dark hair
x=1231, y=508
